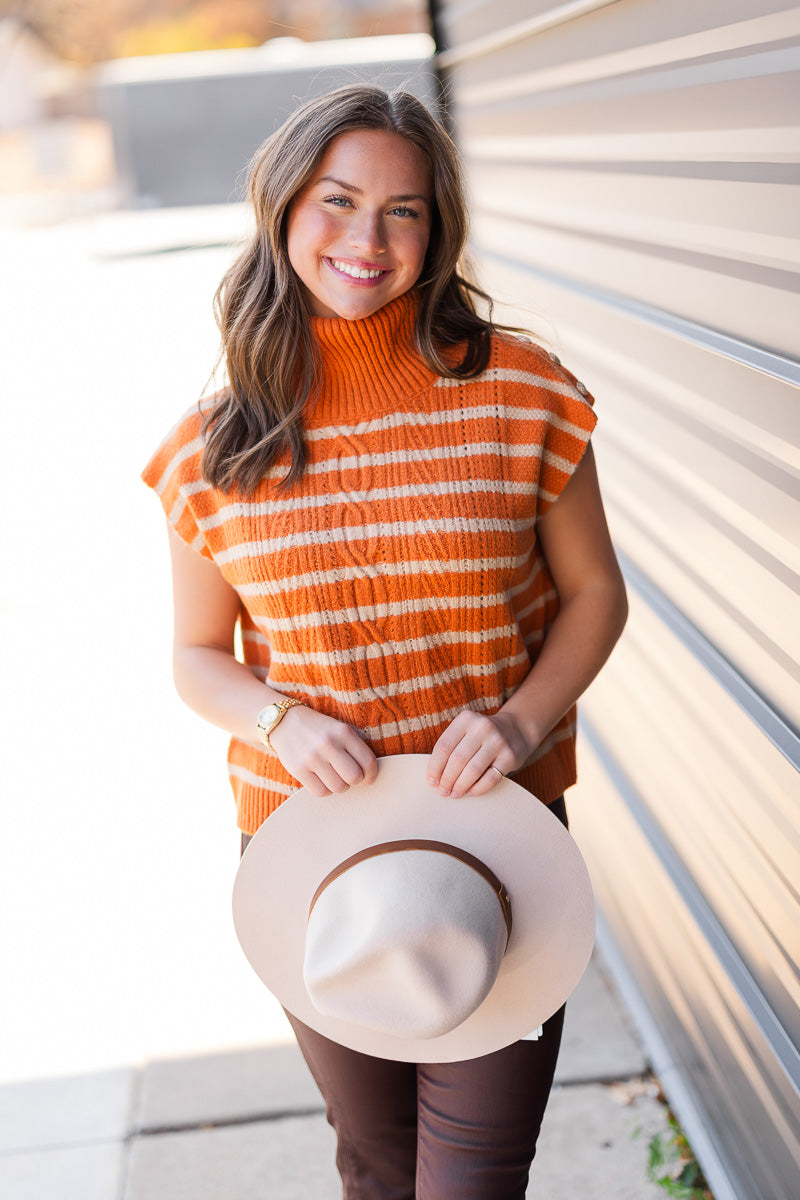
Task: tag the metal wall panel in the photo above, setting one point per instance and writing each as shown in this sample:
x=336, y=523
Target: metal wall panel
x=633, y=170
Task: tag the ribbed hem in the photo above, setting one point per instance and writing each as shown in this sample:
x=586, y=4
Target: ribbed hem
x=550, y=778
x=253, y=806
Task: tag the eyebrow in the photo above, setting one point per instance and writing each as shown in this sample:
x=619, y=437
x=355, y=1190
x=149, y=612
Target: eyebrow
x=357, y=191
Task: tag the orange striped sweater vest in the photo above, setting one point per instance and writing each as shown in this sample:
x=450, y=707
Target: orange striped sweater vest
x=401, y=580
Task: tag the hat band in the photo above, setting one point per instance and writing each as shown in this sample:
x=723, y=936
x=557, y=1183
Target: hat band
x=457, y=852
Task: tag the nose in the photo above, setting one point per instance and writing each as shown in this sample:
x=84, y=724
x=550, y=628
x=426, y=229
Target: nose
x=367, y=233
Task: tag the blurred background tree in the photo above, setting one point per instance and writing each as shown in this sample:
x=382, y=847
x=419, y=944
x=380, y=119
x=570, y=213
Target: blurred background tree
x=90, y=31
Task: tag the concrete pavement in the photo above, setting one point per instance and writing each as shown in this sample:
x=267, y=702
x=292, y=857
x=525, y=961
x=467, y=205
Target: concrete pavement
x=248, y=1125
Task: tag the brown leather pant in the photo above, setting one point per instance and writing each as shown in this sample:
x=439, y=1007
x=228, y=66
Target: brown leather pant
x=449, y=1131
x=435, y=1131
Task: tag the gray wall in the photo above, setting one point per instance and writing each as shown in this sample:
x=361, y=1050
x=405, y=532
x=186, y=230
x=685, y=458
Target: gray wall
x=633, y=168
x=185, y=126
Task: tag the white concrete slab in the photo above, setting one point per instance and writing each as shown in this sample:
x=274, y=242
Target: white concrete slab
x=69, y=1173
x=598, y=1042
x=591, y=1145
x=60, y=1112
x=290, y=1159
x=597, y=1045
x=226, y=1087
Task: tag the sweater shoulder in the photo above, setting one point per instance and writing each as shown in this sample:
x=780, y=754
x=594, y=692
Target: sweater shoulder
x=179, y=452
x=526, y=370
x=516, y=349
x=520, y=352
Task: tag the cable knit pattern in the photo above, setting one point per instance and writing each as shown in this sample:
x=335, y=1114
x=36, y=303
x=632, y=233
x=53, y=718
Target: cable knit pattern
x=400, y=581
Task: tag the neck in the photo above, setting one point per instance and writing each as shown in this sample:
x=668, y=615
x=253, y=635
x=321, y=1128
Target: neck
x=368, y=366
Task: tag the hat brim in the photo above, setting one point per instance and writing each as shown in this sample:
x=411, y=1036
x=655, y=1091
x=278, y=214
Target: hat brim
x=509, y=829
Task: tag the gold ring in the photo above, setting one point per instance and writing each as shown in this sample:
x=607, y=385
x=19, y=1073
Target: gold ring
x=499, y=772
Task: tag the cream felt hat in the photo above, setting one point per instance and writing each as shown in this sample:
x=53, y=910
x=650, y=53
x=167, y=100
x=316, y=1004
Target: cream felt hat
x=413, y=926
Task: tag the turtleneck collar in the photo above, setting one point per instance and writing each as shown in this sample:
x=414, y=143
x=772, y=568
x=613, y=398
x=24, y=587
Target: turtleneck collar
x=369, y=366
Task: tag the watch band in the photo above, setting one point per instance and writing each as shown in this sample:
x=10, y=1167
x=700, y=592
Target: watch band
x=283, y=707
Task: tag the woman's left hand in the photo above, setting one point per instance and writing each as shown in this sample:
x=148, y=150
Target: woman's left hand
x=474, y=752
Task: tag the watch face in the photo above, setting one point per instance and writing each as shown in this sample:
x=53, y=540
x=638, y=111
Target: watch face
x=268, y=716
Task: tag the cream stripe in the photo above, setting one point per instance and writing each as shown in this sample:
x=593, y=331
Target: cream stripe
x=456, y=487
x=476, y=412
x=402, y=458
x=425, y=721
x=259, y=781
x=239, y=510
x=180, y=506
x=185, y=452
x=511, y=375
x=252, y=635
x=274, y=587
x=354, y=654
x=403, y=687
x=361, y=533
x=176, y=512
x=532, y=575
x=193, y=486
x=376, y=612
x=557, y=460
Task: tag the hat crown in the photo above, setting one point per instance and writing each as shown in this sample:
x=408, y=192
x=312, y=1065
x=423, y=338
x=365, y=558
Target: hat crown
x=407, y=943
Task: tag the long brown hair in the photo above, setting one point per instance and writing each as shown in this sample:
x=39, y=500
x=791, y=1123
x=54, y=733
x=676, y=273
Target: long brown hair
x=267, y=343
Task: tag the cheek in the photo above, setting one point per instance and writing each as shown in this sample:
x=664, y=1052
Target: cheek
x=416, y=246
x=306, y=235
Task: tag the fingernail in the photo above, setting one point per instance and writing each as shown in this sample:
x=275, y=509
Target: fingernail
x=444, y=791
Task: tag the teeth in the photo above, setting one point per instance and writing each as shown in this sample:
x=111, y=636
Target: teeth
x=356, y=272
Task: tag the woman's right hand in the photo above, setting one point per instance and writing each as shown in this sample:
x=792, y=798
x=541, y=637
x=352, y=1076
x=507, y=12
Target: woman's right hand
x=321, y=753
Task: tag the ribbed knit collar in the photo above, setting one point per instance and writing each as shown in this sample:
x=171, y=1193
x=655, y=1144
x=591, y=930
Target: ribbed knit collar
x=368, y=366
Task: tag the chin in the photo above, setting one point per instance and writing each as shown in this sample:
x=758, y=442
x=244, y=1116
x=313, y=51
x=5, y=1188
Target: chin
x=357, y=310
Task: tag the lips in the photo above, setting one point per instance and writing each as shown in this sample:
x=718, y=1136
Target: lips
x=353, y=271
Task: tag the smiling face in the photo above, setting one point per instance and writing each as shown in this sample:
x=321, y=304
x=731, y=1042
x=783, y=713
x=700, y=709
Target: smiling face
x=358, y=231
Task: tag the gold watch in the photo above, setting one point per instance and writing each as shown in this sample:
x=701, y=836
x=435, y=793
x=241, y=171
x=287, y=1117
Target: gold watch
x=271, y=716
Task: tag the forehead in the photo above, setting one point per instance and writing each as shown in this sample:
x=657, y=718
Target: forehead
x=376, y=159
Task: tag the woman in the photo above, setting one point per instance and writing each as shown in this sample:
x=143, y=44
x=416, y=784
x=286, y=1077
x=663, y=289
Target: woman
x=396, y=500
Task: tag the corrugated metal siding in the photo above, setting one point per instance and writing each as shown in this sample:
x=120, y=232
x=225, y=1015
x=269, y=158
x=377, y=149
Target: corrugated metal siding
x=633, y=168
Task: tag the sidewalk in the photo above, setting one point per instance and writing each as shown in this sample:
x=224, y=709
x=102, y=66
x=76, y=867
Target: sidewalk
x=250, y=1124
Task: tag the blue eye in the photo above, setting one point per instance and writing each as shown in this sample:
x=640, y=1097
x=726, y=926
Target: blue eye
x=337, y=201
x=403, y=211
